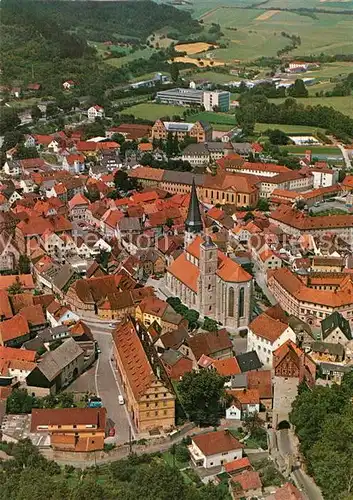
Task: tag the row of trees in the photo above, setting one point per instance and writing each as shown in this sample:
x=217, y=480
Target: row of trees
x=257, y=108
x=20, y=401
x=29, y=475
x=192, y=315
x=323, y=420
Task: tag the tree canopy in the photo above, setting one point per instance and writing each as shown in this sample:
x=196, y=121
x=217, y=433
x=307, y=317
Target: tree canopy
x=323, y=420
x=201, y=395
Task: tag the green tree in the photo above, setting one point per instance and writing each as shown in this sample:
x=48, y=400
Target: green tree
x=16, y=287
x=123, y=182
x=201, y=394
x=19, y=401
x=210, y=324
x=24, y=264
x=278, y=137
x=249, y=216
x=298, y=89
x=36, y=113
x=174, y=72
x=263, y=205
x=9, y=120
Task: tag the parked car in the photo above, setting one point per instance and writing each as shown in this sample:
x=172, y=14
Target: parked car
x=121, y=399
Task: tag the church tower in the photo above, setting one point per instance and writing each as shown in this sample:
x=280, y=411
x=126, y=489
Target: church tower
x=193, y=223
x=207, y=284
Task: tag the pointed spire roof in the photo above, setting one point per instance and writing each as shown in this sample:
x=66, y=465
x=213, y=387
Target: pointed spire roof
x=193, y=222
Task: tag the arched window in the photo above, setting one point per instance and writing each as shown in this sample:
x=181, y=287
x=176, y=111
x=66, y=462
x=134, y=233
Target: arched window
x=241, y=303
x=231, y=302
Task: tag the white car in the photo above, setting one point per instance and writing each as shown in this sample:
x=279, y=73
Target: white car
x=121, y=399
x=111, y=325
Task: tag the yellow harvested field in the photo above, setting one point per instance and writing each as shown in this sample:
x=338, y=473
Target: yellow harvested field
x=193, y=48
x=201, y=63
x=267, y=15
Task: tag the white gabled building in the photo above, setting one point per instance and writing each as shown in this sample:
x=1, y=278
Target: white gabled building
x=267, y=332
x=214, y=449
x=95, y=112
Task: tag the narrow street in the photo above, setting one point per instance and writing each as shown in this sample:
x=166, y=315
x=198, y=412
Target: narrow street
x=108, y=384
x=303, y=481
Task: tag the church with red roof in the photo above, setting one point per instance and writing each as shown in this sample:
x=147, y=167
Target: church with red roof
x=206, y=279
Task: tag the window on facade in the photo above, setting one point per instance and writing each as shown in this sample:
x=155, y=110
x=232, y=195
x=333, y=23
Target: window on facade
x=241, y=303
x=231, y=302
x=156, y=413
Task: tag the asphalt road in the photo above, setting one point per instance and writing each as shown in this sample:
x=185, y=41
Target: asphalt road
x=329, y=205
x=304, y=482
x=108, y=384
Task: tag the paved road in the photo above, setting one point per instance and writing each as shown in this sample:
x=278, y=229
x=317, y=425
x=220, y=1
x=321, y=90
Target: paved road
x=329, y=205
x=304, y=482
x=108, y=384
x=261, y=281
x=346, y=158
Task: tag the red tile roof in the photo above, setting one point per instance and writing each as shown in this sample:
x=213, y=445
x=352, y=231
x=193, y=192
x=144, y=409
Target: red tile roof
x=262, y=381
x=68, y=416
x=137, y=367
x=238, y=464
x=226, y=367
x=268, y=328
x=248, y=480
x=13, y=328
x=212, y=443
x=245, y=396
x=26, y=281
x=11, y=353
x=288, y=492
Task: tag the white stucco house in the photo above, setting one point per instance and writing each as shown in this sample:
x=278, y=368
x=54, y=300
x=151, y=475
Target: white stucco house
x=95, y=112
x=266, y=333
x=245, y=402
x=214, y=449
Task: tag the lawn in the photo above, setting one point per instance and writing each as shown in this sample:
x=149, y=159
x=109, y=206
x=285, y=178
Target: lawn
x=209, y=116
x=287, y=129
x=152, y=111
x=168, y=458
x=343, y=104
x=252, y=35
x=316, y=150
x=138, y=54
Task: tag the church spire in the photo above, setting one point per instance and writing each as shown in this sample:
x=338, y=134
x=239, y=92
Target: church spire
x=193, y=223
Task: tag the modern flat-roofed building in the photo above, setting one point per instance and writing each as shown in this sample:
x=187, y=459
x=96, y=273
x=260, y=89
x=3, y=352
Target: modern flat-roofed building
x=210, y=99
x=182, y=97
x=216, y=99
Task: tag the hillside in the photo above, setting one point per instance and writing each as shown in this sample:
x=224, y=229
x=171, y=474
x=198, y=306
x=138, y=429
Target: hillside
x=49, y=39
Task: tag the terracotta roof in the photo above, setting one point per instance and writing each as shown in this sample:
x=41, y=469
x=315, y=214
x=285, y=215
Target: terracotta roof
x=248, y=480
x=245, y=396
x=212, y=443
x=288, y=492
x=26, y=281
x=34, y=315
x=11, y=353
x=185, y=271
x=153, y=305
x=78, y=199
x=299, y=220
x=262, y=381
x=14, y=328
x=147, y=173
x=209, y=343
x=265, y=167
x=79, y=329
x=226, y=367
x=268, y=328
x=5, y=305
x=145, y=146
x=68, y=416
x=239, y=463
x=137, y=367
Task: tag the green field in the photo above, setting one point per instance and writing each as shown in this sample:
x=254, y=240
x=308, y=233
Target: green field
x=329, y=33
x=316, y=150
x=288, y=129
x=152, y=111
x=343, y=104
x=209, y=116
